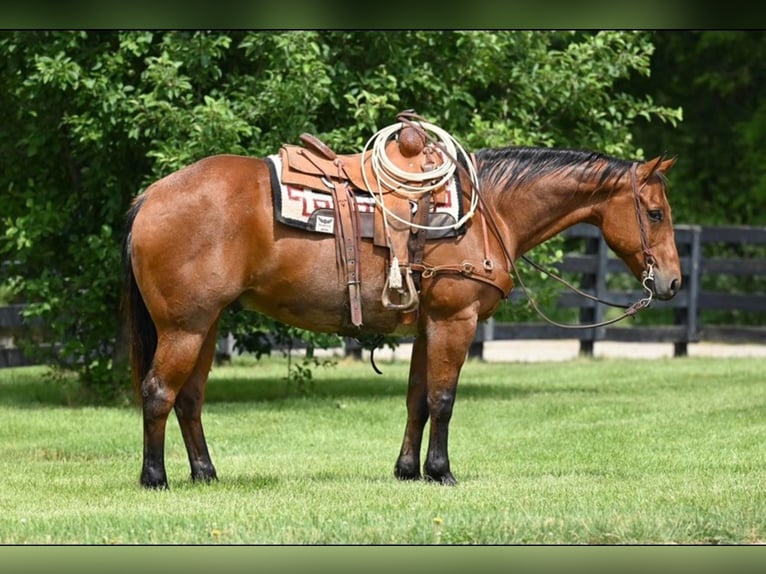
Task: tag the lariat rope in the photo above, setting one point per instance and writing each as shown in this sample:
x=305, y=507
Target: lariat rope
x=414, y=185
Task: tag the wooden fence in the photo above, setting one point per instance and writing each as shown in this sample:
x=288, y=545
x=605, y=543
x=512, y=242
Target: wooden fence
x=594, y=263
x=11, y=324
x=594, y=267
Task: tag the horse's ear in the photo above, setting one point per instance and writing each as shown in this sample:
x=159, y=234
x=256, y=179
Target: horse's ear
x=659, y=163
x=666, y=164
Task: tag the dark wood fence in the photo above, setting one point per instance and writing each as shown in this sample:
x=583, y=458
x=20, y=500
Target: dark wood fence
x=594, y=268
x=11, y=324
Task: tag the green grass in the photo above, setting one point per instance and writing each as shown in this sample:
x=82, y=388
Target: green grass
x=590, y=451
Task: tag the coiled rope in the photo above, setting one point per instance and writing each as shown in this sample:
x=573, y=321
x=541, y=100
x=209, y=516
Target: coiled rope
x=412, y=184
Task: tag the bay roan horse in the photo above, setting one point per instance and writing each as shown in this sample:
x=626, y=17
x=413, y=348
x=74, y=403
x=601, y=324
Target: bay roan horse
x=206, y=236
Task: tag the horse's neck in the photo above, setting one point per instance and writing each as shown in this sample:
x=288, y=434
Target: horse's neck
x=543, y=207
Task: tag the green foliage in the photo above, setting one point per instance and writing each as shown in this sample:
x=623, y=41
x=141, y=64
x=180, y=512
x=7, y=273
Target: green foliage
x=720, y=177
x=93, y=117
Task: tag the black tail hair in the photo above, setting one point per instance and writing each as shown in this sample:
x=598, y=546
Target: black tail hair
x=142, y=334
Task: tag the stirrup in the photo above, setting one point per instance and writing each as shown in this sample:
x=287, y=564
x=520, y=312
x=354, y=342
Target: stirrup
x=410, y=297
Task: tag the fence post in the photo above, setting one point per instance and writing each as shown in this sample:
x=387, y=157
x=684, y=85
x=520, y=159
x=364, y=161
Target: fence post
x=11, y=323
x=484, y=332
x=688, y=316
x=596, y=283
x=352, y=348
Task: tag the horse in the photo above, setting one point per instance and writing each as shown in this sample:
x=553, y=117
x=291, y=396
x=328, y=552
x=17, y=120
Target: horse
x=205, y=237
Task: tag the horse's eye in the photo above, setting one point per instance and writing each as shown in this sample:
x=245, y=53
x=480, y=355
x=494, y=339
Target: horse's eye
x=655, y=215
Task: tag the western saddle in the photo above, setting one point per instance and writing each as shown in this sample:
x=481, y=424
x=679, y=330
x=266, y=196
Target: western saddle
x=405, y=171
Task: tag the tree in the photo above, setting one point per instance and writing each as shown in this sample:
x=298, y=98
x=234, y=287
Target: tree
x=720, y=176
x=94, y=117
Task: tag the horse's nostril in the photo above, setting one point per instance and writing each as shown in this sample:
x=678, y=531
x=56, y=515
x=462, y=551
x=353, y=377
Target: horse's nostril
x=675, y=285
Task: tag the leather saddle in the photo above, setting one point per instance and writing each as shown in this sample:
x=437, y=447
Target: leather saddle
x=399, y=215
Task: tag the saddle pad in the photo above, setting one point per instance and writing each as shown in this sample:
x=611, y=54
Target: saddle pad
x=313, y=210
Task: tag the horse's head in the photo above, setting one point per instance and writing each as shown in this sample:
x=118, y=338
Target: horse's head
x=637, y=226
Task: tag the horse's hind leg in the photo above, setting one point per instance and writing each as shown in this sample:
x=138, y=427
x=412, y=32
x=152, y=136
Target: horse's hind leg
x=188, y=408
x=174, y=361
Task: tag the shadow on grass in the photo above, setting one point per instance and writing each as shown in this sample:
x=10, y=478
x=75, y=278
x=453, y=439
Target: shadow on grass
x=259, y=481
x=31, y=388
x=237, y=482
x=237, y=390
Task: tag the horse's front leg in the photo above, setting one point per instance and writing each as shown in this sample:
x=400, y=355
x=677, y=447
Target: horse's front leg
x=408, y=464
x=448, y=343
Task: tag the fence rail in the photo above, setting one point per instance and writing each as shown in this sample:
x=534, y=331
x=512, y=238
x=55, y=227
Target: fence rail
x=594, y=264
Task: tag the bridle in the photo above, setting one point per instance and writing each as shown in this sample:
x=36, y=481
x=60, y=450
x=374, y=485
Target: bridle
x=649, y=260
x=647, y=275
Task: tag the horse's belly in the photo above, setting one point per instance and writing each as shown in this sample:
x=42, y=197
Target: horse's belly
x=297, y=308
x=322, y=309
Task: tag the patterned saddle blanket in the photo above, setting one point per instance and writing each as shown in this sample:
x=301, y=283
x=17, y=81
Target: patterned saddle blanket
x=312, y=209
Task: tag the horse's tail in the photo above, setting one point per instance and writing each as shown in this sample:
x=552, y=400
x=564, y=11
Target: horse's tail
x=142, y=334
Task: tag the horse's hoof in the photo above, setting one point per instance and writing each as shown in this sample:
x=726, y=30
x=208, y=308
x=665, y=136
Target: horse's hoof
x=155, y=484
x=204, y=479
x=154, y=480
x=205, y=474
x=408, y=476
x=403, y=473
x=447, y=479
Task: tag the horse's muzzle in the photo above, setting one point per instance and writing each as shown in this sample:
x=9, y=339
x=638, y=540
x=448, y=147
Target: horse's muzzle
x=665, y=287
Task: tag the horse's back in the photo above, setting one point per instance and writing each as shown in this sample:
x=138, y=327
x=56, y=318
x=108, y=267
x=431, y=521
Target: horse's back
x=215, y=177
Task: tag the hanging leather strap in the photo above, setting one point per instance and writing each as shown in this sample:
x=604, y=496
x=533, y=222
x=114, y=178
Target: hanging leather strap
x=347, y=245
x=347, y=235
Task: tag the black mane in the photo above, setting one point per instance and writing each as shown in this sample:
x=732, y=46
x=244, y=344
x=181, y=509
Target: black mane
x=511, y=166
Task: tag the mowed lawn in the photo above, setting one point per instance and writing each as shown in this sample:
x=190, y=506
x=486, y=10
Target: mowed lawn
x=584, y=452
